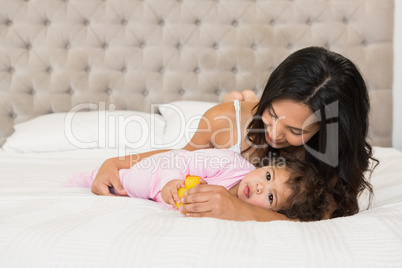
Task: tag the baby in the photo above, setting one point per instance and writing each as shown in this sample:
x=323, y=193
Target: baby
x=290, y=187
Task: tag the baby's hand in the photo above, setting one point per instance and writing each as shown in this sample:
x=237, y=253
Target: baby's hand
x=169, y=192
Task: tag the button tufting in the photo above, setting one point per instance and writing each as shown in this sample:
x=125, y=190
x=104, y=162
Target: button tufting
x=309, y=22
x=86, y=22
x=28, y=47
x=197, y=70
x=123, y=70
x=197, y=22
x=111, y=107
x=235, y=23
x=87, y=69
x=124, y=22
x=215, y=46
x=145, y=92
x=31, y=91
x=105, y=46
x=46, y=22
x=253, y=46
x=364, y=42
x=161, y=23
x=181, y=91
x=49, y=69
x=11, y=70
x=109, y=91
x=218, y=92
x=71, y=91
x=290, y=46
x=234, y=70
x=142, y=45
x=9, y=23
x=179, y=46
x=272, y=22
x=161, y=70
x=67, y=46
x=345, y=20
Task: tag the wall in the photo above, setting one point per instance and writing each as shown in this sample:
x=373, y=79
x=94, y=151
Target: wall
x=397, y=134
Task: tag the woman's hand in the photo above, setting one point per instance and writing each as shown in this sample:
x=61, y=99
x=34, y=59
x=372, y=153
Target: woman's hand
x=169, y=192
x=210, y=201
x=108, y=176
x=217, y=202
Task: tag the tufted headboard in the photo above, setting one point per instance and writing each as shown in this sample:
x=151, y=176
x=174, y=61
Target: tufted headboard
x=55, y=54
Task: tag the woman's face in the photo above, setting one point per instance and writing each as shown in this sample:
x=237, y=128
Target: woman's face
x=287, y=123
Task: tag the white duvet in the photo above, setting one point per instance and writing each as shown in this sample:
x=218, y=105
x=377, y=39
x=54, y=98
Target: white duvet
x=44, y=224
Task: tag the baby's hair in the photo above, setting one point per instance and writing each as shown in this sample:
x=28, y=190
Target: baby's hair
x=309, y=200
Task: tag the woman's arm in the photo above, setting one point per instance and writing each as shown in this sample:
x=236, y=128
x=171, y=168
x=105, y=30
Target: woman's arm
x=108, y=174
x=217, y=202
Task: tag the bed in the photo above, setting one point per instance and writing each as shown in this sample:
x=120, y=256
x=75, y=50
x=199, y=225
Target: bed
x=82, y=81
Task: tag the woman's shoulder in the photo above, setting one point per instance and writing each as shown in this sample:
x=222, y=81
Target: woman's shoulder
x=228, y=109
x=225, y=108
x=220, y=116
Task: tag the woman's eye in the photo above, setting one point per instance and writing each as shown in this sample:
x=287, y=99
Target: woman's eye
x=268, y=176
x=271, y=114
x=297, y=133
x=271, y=198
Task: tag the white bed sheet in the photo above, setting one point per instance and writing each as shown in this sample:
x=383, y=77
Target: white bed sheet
x=44, y=224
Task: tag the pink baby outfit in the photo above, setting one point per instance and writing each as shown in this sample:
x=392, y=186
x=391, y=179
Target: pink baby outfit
x=147, y=178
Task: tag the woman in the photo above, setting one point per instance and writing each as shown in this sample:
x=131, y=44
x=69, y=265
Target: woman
x=315, y=106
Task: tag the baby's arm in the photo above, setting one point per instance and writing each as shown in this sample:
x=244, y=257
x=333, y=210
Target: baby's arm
x=169, y=192
x=82, y=179
x=85, y=180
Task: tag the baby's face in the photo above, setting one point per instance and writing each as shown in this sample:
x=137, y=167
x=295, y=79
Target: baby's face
x=265, y=187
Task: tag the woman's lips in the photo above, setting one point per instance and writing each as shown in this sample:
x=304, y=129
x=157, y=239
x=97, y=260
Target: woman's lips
x=246, y=191
x=274, y=141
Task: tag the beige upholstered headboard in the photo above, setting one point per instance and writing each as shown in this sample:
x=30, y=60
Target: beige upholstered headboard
x=55, y=54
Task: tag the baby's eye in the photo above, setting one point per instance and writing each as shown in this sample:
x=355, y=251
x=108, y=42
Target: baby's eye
x=270, y=198
x=268, y=176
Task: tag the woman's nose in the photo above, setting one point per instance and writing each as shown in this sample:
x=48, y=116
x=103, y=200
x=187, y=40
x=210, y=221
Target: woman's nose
x=276, y=131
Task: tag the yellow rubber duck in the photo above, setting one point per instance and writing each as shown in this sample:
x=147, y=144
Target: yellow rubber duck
x=190, y=182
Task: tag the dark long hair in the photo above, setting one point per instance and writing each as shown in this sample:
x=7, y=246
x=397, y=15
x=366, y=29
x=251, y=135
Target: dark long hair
x=320, y=79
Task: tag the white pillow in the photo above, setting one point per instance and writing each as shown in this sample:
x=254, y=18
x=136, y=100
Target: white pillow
x=94, y=129
x=182, y=118
x=386, y=179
